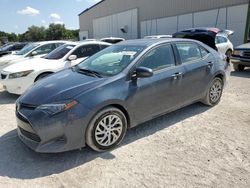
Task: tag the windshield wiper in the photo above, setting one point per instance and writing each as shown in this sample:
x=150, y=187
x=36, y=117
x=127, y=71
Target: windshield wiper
x=90, y=72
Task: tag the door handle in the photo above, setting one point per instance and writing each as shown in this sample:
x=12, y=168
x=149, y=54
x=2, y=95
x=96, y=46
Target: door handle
x=176, y=75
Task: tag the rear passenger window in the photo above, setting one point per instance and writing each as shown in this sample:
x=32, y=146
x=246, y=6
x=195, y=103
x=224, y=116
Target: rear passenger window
x=204, y=52
x=188, y=52
x=159, y=58
x=102, y=46
x=86, y=51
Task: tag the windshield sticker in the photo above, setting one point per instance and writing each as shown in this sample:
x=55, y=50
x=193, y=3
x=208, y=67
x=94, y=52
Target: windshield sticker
x=129, y=53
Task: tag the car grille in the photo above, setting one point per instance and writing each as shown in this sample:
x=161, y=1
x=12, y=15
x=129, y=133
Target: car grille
x=21, y=117
x=30, y=135
x=3, y=76
x=246, y=54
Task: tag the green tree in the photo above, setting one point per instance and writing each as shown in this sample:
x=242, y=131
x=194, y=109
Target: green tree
x=35, y=33
x=56, y=32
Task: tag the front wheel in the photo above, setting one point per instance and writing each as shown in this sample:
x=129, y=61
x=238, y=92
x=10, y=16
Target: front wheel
x=106, y=130
x=41, y=76
x=238, y=67
x=214, y=92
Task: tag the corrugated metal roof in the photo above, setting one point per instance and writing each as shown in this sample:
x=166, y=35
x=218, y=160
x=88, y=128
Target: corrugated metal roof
x=91, y=7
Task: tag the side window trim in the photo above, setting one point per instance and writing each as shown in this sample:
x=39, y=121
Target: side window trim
x=158, y=46
x=192, y=61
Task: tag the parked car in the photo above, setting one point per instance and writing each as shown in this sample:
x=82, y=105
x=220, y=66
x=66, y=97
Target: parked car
x=95, y=102
x=213, y=37
x=11, y=48
x=17, y=78
x=112, y=40
x=241, y=57
x=36, y=49
x=158, y=36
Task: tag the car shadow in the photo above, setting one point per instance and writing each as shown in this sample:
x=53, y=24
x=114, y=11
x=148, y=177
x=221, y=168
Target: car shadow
x=7, y=98
x=243, y=74
x=18, y=161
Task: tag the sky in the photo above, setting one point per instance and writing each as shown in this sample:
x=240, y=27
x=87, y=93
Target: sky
x=17, y=15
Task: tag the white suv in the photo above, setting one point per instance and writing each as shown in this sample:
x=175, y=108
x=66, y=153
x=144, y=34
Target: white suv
x=224, y=45
x=36, y=49
x=17, y=78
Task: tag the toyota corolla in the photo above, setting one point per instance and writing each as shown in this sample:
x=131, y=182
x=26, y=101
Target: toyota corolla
x=95, y=102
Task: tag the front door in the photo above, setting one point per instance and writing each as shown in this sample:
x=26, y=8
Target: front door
x=161, y=92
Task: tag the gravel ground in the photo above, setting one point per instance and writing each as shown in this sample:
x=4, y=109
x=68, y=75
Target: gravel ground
x=196, y=146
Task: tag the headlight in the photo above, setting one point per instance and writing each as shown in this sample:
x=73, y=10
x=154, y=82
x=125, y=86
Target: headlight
x=53, y=109
x=20, y=74
x=237, y=53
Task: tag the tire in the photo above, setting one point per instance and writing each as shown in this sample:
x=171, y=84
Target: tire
x=101, y=134
x=41, y=76
x=239, y=67
x=229, y=53
x=214, y=92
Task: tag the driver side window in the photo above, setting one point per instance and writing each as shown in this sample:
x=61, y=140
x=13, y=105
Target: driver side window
x=159, y=58
x=45, y=49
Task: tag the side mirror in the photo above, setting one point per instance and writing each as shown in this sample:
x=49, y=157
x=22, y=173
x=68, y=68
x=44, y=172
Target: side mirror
x=34, y=53
x=143, y=72
x=72, y=57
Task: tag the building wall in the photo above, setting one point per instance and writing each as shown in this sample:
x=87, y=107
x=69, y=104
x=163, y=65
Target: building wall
x=224, y=18
x=111, y=25
x=152, y=9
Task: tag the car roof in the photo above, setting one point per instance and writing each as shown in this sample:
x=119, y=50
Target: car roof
x=52, y=41
x=112, y=38
x=87, y=42
x=149, y=41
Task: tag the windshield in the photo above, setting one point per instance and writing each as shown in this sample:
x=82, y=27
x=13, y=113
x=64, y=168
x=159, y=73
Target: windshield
x=60, y=52
x=112, y=60
x=27, y=49
x=5, y=48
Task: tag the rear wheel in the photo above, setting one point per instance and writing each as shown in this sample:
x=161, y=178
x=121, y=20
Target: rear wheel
x=214, y=92
x=238, y=67
x=229, y=53
x=106, y=130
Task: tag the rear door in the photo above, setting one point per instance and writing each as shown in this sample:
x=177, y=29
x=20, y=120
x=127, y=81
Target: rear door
x=198, y=64
x=161, y=92
x=222, y=44
x=84, y=52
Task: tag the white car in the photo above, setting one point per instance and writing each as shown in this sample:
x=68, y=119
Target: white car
x=223, y=44
x=213, y=37
x=17, y=78
x=31, y=50
x=158, y=37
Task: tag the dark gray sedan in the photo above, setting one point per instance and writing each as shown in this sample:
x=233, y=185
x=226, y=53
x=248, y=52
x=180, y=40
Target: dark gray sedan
x=118, y=88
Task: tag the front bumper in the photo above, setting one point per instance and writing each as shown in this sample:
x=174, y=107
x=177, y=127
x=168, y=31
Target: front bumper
x=44, y=133
x=240, y=61
x=18, y=85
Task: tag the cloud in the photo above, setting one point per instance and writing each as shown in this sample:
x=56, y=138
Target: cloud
x=29, y=11
x=58, y=22
x=55, y=16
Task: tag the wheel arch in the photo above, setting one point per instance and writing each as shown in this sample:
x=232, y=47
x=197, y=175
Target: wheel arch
x=46, y=72
x=117, y=105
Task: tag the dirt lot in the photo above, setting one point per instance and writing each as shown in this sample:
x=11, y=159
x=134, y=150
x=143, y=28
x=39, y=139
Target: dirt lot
x=194, y=147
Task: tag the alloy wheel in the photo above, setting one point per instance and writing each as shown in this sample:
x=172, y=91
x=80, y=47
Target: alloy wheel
x=216, y=91
x=108, y=130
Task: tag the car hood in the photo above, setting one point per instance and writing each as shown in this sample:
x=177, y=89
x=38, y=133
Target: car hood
x=7, y=58
x=243, y=46
x=207, y=38
x=31, y=64
x=59, y=87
